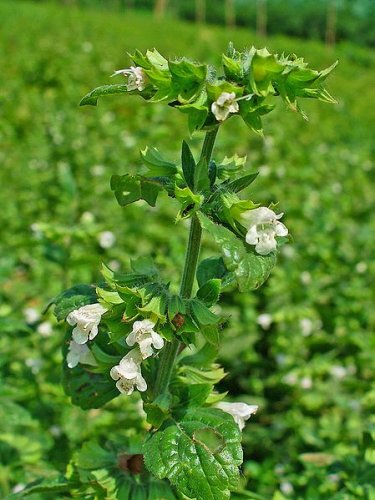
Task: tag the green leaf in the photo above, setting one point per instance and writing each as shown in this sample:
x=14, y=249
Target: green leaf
x=187, y=79
x=91, y=98
x=188, y=164
x=230, y=167
x=201, y=178
x=92, y=456
x=159, y=491
x=51, y=485
x=213, y=375
x=130, y=188
x=211, y=334
x=201, y=314
x=156, y=306
x=109, y=296
x=199, y=454
x=253, y=270
x=242, y=183
x=86, y=389
x=189, y=201
x=144, y=265
x=211, y=268
x=209, y=293
x=72, y=299
x=104, y=358
x=250, y=269
x=158, y=411
x=203, y=357
x=157, y=165
x=176, y=305
x=233, y=69
x=190, y=395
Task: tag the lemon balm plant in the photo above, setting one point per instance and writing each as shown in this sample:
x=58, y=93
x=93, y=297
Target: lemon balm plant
x=133, y=332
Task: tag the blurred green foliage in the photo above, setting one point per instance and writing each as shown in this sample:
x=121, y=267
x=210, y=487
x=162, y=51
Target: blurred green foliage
x=300, y=18
x=302, y=347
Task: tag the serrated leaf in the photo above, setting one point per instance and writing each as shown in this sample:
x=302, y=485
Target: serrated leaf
x=209, y=293
x=188, y=164
x=91, y=98
x=157, y=164
x=199, y=454
x=72, y=299
x=130, y=188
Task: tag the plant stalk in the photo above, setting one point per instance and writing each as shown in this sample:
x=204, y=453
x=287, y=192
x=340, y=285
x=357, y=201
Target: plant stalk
x=169, y=353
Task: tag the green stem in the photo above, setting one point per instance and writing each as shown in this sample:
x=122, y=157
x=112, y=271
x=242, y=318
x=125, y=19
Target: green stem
x=169, y=353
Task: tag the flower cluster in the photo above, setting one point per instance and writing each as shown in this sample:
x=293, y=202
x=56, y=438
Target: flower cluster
x=263, y=225
x=128, y=373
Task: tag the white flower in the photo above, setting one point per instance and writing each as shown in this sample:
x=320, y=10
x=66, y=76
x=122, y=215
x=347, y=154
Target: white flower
x=31, y=315
x=338, y=371
x=128, y=373
x=18, y=488
x=87, y=319
x=224, y=105
x=87, y=218
x=361, y=267
x=239, y=411
x=307, y=326
x=306, y=383
x=144, y=335
x=45, y=329
x=106, y=239
x=79, y=353
x=136, y=77
x=264, y=320
x=286, y=488
x=263, y=226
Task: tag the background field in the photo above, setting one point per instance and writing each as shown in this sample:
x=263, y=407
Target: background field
x=311, y=370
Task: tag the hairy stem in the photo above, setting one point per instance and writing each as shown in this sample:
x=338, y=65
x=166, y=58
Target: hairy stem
x=169, y=353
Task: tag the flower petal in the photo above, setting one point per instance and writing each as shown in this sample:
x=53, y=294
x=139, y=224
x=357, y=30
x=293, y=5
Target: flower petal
x=280, y=229
x=141, y=383
x=157, y=340
x=80, y=336
x=252, y=236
